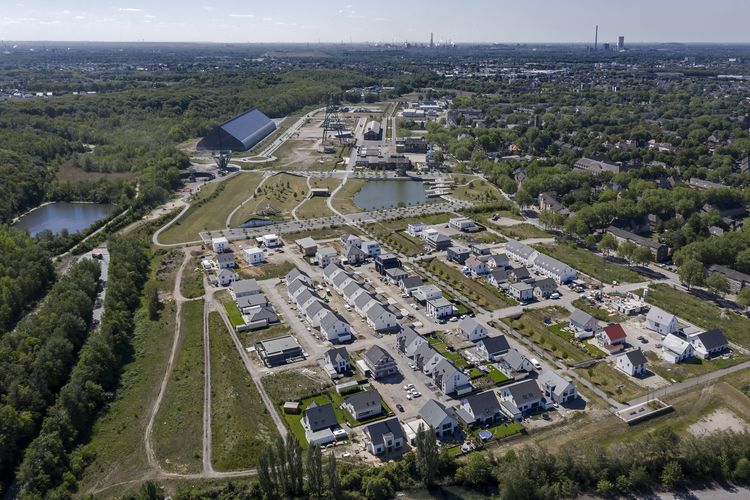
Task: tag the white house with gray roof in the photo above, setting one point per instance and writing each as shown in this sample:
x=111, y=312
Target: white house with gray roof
x=584, y=324
x=521, y=252
x=557, y=388
x=439, y=308
x=471, y=329
x=480, y=409
x=708, y=344
x=385, y=436
x=380, y=318
x=407, y=341
x=661, y=321
x=449, y=379
x=380, y=363
x=491, y=348
x=334, y=327
x=363, y=404
x=426, y=358
x=676, y=350
x=632, y=362
x=243, y=288
x=440, y=418
x=525, y=396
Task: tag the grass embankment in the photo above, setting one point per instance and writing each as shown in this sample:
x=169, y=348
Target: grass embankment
x=240, y=423
x=178, y=431
x=589, y=263
x=318, y=205
x=275, y=198
x=320, y=234
x=479, y=292
x=344, y=199
x=484, y=237
x=523, y=231
x=210, y=207
x=191, y=285
x=292, y=386
x=700, y=312
x=116, y=442
x=476, y=190
x=235, y=316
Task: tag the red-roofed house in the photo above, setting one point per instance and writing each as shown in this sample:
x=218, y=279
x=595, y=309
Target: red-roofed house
x=612, y=338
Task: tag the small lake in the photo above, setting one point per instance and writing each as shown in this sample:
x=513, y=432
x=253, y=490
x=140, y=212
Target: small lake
x=388, y=194
x=57, y=216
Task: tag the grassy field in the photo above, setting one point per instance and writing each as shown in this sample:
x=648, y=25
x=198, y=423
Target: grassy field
x=116, y=441
x=486, y=237
x=476, y=190
x=250, y=338
x=343, y=201
x=589, y=263
x=178, y=431
x=523, y=231
x=612, y=381
x=266, y=271
x=293, y=386
x=191, y=285
x=314, y=207
x=531, y=325
x=484, y=296
x=282, y=193
x=210, y=207
x=241, y=425
x=598, y=312
x=701, y=312
x=74, y=175
x=561, y=330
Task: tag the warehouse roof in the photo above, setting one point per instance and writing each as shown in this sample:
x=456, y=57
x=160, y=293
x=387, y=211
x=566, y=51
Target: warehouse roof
x=239, y=133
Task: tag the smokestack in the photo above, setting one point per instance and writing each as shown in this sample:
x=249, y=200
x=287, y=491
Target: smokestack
x=596, y=37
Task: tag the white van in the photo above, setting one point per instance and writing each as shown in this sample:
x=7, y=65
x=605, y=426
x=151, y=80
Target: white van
x=535, y=362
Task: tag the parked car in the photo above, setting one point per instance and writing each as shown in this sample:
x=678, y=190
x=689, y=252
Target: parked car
x=408, y=387
x=399, y=407
x=535, y=363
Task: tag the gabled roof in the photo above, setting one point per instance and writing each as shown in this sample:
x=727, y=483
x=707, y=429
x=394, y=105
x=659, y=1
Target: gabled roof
x=295, y=274
x=257, y=299
x=675, y=344
x=332, y=269
x=337, y=354
x=713, y=339
x=425, y=352
x=636, y=357
x=484, y=403
x=521, y=273
x=408, y=334
x=468, y=325
x=514, y=359
x=245, y=286
x=659, y=316
x=446, y=368
x=329, y=319
x=473, y=262
x=259, y=313
x=520, y=249
x=411, y=282
x=306, y=242
x=614, y=332
x=495, y=344
x=499, y=275
x=524, y=391
x=362, y=300
x=376, y=311
x=499, y=258
x=730, y=273
x=239, y=133
x=554, y=382
x=377, y=430
x=320, y=416
x=546, y=284
x=364, y=400
x=580, y=317
x=434, y=413
x=375, y=353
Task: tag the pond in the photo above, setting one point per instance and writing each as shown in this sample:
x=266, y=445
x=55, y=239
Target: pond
x=57, y=216
x=388, y=194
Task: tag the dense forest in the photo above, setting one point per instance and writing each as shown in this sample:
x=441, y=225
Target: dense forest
x=47, y=468
x=25, y=275
x=136, y=131
x=36, y=358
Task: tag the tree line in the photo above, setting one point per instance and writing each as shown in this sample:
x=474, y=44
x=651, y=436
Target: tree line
x=660, y=460
x=36, y=358
x=26, y=273
x=49, y=465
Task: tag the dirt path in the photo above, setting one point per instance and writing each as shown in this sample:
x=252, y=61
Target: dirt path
x=207, y=437
x=306, y=198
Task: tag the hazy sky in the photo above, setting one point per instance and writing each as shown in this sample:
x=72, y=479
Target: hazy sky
x=376, y=20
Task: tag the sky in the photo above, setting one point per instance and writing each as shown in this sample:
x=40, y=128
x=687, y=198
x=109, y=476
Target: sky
x=505, y=21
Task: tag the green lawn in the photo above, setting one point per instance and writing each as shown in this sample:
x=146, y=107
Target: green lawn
x=320, y=234
x=210, y=207
x=191, y=285
x=560, y=330
x=589, y=263
x=235, y=316
x=476, y=190
x=484, y=296
x=178, y=431
x=295, y=421
x=484, y=237
x=240, y=422
x=700, y=312
x=314, y=207
x=496, y=375
x=523, y=231
x=475, y=373
x=504, y=430
x=598, y=312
